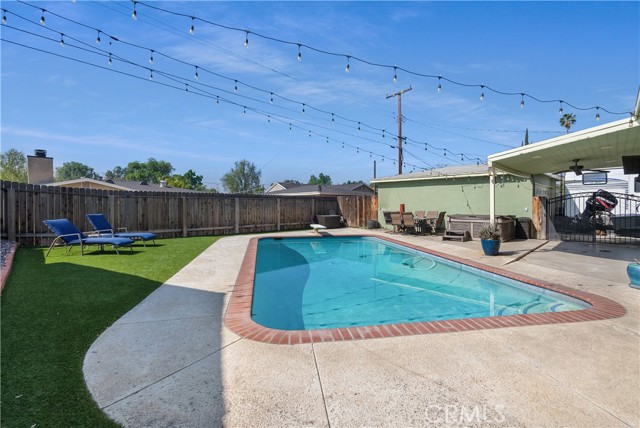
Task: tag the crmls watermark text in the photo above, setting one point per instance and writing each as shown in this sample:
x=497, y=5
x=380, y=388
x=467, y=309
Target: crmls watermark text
x=452, y=414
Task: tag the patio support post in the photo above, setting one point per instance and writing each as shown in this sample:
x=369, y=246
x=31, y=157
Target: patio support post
x=492, y=194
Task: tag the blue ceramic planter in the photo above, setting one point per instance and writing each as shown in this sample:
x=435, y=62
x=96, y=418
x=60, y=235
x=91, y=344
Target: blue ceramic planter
x=633, y=270
x=491, y=247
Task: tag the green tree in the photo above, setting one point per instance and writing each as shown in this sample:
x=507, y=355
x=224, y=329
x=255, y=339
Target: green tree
x=567, y=120
x=188, y=180
x=151, y=171
x=116, y=173
x=321, y=179
x=244, y=177
x=13, y=166
x=73, y=170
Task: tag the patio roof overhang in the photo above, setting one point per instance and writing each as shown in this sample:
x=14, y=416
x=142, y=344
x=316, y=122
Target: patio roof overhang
x=600, y=147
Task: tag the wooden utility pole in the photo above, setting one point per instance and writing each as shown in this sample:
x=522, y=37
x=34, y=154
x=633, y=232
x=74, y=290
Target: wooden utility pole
x=399, y=95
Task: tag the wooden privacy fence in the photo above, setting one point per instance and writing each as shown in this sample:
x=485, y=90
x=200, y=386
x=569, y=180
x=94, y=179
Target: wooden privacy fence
x=168, y=214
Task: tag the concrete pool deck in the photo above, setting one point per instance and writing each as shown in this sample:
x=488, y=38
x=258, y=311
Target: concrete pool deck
x=171, y=361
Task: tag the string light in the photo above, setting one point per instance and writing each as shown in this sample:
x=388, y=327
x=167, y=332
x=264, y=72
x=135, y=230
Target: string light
x=42, y=18
x=195, y=76
x=61, y=39
x=150, y=74
x=186, y=87
x=217, y=99
x=303, y=105
x=244, y=110
x=4, y=17
x=333, y=119
x=151, y=57
x=416, y=73
x=269, y=118
x=482, y=93
x=395, y=74
x=439, y=84
x=561, y=110
x=110, y=60
x=192, y=29
x=597, y=114
x=522, y=100
x=98, y=38
x=271, y=99
x=235, y=87
x=347, y=68
x=358, y=126
x=134, y=14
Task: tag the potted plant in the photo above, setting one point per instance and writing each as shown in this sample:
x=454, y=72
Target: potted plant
x=633, y=270
x=490, y=239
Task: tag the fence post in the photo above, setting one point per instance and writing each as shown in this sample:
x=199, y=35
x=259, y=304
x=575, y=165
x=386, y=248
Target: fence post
x=237, y=216
x=184, y=216
x=11, y=213
x=278, y=214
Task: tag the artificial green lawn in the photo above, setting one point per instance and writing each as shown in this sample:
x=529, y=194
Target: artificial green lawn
x=52, y=310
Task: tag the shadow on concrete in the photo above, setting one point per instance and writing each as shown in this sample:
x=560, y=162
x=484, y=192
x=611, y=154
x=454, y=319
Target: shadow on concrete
x=159, y=365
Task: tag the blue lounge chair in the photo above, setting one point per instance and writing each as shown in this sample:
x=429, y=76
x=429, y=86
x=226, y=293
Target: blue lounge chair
x=104, y=228
x=69, y=235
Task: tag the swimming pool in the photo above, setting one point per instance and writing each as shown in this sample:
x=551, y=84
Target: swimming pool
x=333, y=282
x=238, y=315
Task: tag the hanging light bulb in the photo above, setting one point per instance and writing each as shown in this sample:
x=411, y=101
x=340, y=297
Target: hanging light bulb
x=61, y=39
x=98, y=38
x=217, y=99
x=425, y=147
x=482, y=93
x=333, y=119
x=561, y=110
x=358, y=126
x=309, y=134
x=235, y=87
x=290, y=127
x=271, y=99
x=151, y=57
x=395, y=74
x=244, y=110
x=347, y=68
x=522, y=101
x=4, y=17
x=42, y=18
x=195, y=76
x=186, y=87
x=110, y=60
x=269, y=118
x=303, y=105
x=357, y=149
x=150, y=74
x=192, y=29
x=439, y=84
x=134, y=14
x=597, y=114
x=299, y=53
x=383, y=133
x=327, y=140
x=246, y=39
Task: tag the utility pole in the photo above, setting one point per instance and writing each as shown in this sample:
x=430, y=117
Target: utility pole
x=399, y=95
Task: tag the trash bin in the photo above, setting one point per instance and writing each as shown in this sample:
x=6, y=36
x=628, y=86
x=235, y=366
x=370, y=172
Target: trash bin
x=373, y=224
x=523, y=228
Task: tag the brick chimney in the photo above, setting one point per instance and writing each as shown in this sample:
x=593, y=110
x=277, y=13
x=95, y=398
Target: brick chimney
x=39, y=168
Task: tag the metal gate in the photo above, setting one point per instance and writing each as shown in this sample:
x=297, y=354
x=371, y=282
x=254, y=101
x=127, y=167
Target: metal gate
x=612, y=218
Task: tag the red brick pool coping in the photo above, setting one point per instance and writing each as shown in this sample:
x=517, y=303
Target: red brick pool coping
x=238, y=315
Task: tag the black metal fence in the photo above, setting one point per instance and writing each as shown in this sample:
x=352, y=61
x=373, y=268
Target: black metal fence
x=612, y=218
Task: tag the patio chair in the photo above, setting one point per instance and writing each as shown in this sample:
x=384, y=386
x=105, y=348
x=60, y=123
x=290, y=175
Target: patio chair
x=68, y=235
x=419, y=215
x=396, y=222
x=408, y=222
x=104, y=228
x=435, y=222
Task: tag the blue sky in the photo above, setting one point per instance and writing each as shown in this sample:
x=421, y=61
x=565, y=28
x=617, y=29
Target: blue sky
x=586, y=53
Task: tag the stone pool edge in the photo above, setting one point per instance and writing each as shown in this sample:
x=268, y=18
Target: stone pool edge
x=238, y=313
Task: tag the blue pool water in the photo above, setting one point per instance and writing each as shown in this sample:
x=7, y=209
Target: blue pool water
x=331, y=282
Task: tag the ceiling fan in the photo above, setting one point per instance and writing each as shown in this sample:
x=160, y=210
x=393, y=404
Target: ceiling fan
x=577, y=169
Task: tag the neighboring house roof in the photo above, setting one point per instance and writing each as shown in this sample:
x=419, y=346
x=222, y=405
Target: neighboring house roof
x=356, y=187
x=282, y=185
x=136, y=186
x=438, y=173
x=317, y=190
